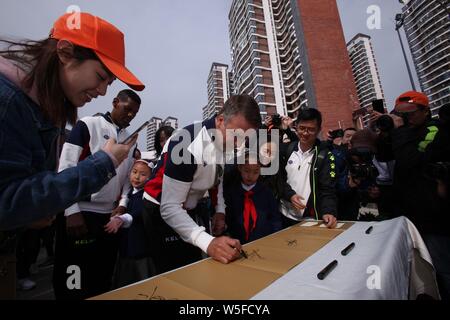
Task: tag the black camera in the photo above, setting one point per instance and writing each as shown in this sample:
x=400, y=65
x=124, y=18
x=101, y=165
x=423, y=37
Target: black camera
x=404, y=116
x=384, y=123
x=361, y=166
x=363, y=171
x=276, y=120
x=339, y=133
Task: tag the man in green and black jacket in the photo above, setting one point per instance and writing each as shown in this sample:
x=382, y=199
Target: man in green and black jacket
x=419, y=142
x=308, y=174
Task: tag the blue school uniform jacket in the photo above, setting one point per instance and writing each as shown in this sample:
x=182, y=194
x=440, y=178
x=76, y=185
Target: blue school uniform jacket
x=133, y=242
x=268, y=219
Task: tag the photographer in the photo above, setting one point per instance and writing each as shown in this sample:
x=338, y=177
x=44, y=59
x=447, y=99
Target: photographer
x=385, y=164
x=418, y=142
x=357, y=189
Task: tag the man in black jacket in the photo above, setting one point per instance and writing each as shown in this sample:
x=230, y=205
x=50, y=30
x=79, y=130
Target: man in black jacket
x=308, y=174
x=416, y=143
x=419, y=142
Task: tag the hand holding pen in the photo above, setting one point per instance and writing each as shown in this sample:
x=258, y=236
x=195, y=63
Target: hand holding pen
x=224, y=249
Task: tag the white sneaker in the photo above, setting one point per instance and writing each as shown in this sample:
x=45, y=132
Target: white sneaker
x=26, y=284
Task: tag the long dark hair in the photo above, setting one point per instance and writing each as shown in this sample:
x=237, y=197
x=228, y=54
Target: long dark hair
x=40, y=62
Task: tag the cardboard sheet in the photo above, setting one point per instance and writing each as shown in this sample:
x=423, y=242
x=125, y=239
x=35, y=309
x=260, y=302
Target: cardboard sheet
x=220, y=281
x=269, y=258
x=159, y=288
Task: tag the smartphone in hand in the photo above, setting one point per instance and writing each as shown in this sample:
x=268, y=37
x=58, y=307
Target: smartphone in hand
x=146, y=123
x=378, y=105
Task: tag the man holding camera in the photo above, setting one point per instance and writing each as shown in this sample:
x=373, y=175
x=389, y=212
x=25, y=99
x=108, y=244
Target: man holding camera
x=357, y=188
x=413, y=143
x=417, y=141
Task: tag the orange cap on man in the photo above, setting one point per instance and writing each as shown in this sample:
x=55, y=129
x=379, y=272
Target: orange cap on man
x=86, y=30
x=410, y=101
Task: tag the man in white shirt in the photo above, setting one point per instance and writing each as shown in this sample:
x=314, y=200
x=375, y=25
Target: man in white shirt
x=309, y=175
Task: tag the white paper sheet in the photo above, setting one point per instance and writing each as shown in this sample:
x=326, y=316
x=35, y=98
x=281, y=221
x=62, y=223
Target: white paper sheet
x=308, y=224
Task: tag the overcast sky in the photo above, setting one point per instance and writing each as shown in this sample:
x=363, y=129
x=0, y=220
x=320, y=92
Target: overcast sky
x=170, y=46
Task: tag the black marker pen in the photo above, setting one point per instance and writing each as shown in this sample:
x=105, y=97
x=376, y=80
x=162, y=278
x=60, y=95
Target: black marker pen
x=242, y=253
x=347, y=250
x=325, y=271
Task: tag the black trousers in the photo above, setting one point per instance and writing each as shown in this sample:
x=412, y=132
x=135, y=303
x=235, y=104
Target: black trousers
x=95, y=254
x=27, y=252
x=168, y=250
x=48, y=239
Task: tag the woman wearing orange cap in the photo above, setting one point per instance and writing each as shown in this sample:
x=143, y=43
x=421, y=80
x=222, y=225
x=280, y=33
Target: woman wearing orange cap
x=42, y=83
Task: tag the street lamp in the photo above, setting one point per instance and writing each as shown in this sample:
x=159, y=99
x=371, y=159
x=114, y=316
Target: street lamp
x=399, y=19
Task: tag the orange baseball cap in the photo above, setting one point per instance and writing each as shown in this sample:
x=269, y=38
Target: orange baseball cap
x=409, y=101
x=102, y=37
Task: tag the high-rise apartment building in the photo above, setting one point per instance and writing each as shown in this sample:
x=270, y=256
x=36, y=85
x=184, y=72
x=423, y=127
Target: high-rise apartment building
x=427, y=28
x=219, y=89
x=365, y=72
x=291, y=53
x=155, y=124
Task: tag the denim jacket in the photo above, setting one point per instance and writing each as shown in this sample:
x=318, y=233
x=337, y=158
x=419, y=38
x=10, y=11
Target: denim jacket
x=30, y=188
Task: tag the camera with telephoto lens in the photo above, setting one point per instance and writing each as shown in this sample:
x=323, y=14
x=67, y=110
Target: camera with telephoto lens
x=363, y=171
x=276, y=120
x=361, y=166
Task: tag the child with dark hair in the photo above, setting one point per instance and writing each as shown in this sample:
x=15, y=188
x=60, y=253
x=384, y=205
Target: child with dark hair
x=134, y=263
x=161, y=137
x=251, y=208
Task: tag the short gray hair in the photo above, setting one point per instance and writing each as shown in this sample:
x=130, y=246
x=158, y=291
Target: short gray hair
x=244, y=105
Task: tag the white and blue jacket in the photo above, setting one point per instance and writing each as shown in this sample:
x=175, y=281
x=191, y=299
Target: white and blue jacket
x=88, y=136
x=185, y=182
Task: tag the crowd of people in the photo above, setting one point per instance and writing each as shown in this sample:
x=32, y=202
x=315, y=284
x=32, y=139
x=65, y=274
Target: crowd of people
x=121, y=219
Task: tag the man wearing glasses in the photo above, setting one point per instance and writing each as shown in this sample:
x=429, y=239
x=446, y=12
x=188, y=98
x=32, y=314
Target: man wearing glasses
x=308, y=174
